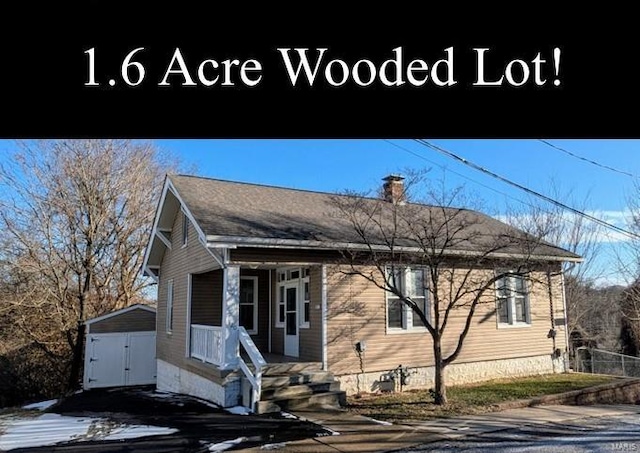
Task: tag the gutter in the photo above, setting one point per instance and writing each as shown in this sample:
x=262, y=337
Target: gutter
x=217, y=241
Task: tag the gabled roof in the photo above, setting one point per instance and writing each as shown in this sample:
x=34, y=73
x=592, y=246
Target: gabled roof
x=251, y=214
x=121, y=312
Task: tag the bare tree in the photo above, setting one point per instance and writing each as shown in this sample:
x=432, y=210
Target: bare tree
x=630, y=267
x=462, y=255
x=76, y=215
x=590, y=320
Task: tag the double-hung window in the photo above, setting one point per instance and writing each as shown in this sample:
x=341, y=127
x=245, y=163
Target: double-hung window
x=411, y=283
x=169, y=318
x=249, y=304
x=512, y=301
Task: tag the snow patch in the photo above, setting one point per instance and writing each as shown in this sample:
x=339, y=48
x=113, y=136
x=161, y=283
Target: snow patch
x=46, y=429
x=238, y=410
x=276, y=446
x=41, y=406
x=379, y=422
x=134, y=431
x=51, y=429
x=159, y=394
x=227, y=444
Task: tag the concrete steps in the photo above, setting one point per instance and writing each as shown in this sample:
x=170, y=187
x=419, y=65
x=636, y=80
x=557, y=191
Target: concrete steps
x=299, y=385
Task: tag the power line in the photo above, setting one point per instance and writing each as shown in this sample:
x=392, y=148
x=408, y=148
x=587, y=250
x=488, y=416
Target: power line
x=593, y=162
x=454, y=156
x=493, y=189
x=443, y=167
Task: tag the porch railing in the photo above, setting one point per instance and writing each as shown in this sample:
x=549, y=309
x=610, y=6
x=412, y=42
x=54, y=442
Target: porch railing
x=206, y=343
x=255, y=376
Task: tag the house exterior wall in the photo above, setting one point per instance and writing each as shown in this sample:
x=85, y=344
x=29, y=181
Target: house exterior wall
x=171, y=348
x=137, y=320
x=357, y=311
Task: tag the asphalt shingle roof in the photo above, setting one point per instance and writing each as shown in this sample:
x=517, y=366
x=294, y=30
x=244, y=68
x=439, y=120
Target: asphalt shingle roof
x=228, y=208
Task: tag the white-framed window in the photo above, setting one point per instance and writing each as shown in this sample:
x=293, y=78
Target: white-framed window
x=412, y=283
x=512, y=301
x=300, y=278
x=185, y=229
x=280, y=306
x=306, y=299
x=169, y=320
x=249, y=304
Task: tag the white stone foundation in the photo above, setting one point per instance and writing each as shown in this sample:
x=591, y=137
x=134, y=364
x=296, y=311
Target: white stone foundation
x=170, y=378
x=455, y=374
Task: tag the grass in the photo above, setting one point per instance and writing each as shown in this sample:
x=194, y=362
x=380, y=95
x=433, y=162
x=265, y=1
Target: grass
x=468, y=399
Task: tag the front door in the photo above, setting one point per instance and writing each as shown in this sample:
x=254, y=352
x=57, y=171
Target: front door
x=291, y=339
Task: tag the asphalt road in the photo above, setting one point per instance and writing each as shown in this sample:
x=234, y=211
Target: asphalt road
x=611, y=434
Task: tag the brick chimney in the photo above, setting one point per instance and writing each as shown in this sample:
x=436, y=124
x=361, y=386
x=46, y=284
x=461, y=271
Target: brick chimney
x=393, y=189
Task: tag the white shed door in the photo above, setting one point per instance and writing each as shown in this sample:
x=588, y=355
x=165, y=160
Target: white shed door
x=118, y=359
x=142, y=358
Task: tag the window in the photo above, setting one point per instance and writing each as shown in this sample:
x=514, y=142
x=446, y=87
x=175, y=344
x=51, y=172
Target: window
x=306, y=301
x=169, y=320
x=512, y=301
x=249, y=304
x=287, y=279
x=185, y=229
x=280, y=314
x=411, y=282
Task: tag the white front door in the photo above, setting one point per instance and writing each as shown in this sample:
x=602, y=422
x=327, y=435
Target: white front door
x=291, y=334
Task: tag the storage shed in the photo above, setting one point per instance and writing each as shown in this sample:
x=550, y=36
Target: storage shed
x=120, y=348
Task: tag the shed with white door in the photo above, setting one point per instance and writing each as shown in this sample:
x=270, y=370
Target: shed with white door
x=120, y=348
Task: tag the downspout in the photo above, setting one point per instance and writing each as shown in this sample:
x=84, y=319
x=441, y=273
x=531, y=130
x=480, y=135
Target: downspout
x=270, y=303
x=323, y=291
x=552, y=332
x=566, y=322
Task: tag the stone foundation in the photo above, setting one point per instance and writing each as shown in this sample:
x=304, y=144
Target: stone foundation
x=455, y=374
x=170, y=378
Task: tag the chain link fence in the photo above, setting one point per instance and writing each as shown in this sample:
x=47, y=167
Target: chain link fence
x=605, y=362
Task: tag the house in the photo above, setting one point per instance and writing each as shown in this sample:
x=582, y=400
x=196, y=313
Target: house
x=254, y=305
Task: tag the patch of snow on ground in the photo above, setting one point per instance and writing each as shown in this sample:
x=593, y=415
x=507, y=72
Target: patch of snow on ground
x=159, y=394
x=277, y=446
x=50, y=429
x=227, y=444
x=46, y=429
x=134, y=431
x=41, y=406
x=238, y=410
x=380, y=422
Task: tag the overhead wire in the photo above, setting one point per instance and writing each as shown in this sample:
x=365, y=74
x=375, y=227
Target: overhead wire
x=525, y=189
x=593, y=162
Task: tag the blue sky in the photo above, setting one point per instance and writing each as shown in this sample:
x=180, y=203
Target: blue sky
x=336, y=165
x=332, y=165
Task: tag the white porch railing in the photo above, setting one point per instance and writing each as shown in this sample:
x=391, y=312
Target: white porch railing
x=255, y=376
x=206, y=343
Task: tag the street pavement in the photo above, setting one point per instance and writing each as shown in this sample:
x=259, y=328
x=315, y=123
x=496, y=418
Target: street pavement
x=612, y=428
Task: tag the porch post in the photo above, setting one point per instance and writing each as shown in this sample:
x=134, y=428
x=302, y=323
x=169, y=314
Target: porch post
x=325, y=364
x=230, y=316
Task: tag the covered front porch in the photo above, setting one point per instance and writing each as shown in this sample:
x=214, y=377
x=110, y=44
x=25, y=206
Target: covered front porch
x=243, y=318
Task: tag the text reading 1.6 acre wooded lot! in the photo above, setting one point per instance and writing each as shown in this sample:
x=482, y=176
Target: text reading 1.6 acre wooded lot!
x=304, y=68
